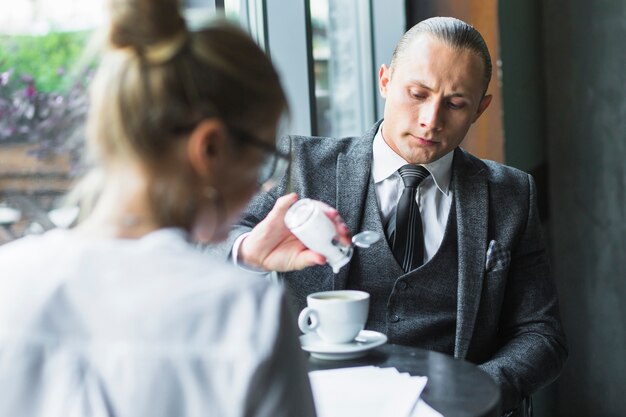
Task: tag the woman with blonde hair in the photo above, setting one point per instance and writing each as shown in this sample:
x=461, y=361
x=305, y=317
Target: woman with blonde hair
x=121, y=315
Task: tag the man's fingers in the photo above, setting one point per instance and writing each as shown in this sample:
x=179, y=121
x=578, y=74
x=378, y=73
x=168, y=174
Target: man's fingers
x=308, y=258
x=343, y=231
x=283, y=203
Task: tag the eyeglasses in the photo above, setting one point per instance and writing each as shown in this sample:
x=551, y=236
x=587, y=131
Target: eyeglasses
x=274, y=165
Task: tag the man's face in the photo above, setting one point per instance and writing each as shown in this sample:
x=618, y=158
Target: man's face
x=433, y=95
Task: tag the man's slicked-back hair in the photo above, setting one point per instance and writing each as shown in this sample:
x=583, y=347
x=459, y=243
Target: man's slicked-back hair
x=453, y=32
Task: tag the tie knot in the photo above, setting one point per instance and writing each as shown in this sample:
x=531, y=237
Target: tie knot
x=413, y=175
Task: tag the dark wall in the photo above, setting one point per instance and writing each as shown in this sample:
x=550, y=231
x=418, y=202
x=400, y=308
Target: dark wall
x=523, y=85
x=522, y=75
x=585, y=74
x=524, y=92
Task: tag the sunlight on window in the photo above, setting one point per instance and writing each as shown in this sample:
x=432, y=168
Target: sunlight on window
x=342, y=68
x=232, y=9
x=44, y=16
x=321, y=58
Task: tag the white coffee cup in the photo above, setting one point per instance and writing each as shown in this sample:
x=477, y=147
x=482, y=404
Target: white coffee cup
x=336, y=316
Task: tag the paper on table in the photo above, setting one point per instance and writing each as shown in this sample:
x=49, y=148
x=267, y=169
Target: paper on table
x=366, y=391
x=424, y=410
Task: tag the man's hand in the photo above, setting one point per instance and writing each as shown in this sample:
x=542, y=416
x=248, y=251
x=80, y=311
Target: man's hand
x=272, y=246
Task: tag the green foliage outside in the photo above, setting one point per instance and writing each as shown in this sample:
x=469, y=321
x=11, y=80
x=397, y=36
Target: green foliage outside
x=44, y=58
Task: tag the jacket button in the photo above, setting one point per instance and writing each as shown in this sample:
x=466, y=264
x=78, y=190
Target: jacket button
x=402, y=285
x=394, y=318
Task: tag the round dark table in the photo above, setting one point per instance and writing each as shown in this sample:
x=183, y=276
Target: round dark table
x=455, y=388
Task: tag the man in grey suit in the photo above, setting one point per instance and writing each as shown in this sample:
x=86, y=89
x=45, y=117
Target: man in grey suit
x=479, y=287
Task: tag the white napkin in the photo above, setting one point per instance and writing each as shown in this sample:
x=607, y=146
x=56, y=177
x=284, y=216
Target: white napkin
x=368, y=391
x=424, y=410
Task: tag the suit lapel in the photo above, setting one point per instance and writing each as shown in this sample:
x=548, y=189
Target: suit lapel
x=353, y=175
x=471, y=194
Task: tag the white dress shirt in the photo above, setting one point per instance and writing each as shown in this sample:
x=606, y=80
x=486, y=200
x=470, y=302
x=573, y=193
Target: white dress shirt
x=142, y=327
x=434, y=195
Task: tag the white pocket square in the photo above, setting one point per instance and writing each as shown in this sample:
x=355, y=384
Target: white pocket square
x=497, y=257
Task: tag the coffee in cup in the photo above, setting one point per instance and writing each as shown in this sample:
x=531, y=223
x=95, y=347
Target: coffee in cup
x=336, y=316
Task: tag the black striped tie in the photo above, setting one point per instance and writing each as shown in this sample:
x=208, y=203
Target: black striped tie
x=407, y=235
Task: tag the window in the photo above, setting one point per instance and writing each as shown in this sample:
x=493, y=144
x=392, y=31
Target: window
x=343, y=65
x=42, y=107
x=327, y=57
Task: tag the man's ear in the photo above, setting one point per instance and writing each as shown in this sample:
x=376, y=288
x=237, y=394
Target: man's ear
x=384, y=75
x=205, y=144
x=484, y=103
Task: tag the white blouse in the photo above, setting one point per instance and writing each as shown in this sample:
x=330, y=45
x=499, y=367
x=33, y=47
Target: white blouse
x=145, y=327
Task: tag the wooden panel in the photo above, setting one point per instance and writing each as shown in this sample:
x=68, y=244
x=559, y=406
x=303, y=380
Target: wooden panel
x=486, y=137
x=22, y=172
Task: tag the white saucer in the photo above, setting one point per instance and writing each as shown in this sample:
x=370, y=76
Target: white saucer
x=365, y=341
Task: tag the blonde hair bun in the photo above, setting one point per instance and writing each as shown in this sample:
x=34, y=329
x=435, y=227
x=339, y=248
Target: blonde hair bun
x=145, y=24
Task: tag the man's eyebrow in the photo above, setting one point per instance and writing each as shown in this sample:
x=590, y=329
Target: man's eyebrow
x=420, y=84
x=426, y=87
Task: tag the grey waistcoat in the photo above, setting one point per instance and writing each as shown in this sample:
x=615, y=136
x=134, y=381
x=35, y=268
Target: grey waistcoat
x=417, y=308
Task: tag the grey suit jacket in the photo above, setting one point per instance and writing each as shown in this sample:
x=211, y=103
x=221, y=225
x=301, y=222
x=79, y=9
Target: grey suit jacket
x=507, y=313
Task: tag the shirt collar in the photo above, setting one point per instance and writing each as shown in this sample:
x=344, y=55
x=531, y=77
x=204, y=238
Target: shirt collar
x=386, y=162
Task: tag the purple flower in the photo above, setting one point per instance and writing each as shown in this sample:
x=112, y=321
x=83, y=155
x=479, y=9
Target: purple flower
x=30, y=91
x=50, y=120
